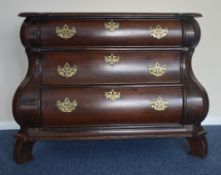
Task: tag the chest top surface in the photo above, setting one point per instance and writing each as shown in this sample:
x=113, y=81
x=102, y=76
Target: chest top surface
x=103, y=15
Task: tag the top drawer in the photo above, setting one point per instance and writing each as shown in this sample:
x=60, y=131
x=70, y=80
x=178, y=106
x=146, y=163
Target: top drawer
x=49, y=32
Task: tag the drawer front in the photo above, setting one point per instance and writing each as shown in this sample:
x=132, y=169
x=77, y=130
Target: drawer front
x=66, y=68
x=101, y=32
x=97, y=106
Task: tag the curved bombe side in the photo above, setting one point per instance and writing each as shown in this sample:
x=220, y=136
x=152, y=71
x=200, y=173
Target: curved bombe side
x=196, y=98
x=196, y=103
x=29, y=33
x=26, y=99
x=26, y=102
x=191, y=32
x=23, y=31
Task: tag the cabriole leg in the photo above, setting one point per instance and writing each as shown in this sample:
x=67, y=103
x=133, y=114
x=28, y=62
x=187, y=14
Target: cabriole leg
x=198, y=146
x=23, y=151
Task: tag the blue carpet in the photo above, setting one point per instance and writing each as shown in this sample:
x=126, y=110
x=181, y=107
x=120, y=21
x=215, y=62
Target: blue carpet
x=116, y=157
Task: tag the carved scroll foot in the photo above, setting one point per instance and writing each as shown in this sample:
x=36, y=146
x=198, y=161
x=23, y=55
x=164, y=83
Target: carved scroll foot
x=23, y=151
x=198, y=146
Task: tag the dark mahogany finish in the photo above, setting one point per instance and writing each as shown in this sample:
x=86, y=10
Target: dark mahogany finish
x=23, y=151
x=92, y=69
x=95, y=116
x=93, y=109
x=135, y=33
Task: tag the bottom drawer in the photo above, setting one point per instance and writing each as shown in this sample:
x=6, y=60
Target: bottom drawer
x=101, y=106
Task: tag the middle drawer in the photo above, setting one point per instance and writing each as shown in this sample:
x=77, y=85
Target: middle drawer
x=109, y=67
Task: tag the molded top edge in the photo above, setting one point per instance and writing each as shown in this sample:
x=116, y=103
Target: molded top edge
x=113, y=15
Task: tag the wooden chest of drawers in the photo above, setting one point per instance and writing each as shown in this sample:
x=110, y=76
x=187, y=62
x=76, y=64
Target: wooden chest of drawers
x=109, y=76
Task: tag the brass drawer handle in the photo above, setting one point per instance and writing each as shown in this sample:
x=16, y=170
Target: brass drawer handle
x=67, y=105
x=111, y=25
x=159, y=104
x=158, y=32
x=67, y=71
x=158, y=70
x=111, y=59
x=66, y=32
x=112, y=95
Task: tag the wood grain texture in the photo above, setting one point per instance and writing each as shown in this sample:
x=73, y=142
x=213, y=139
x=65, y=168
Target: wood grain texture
x=23, y=151
x=134, y=106
x=133, y=67
x=198, y=146
x=135, y=32
x=95, y=117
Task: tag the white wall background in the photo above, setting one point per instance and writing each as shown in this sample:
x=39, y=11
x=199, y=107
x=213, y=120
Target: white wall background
x=13, y=61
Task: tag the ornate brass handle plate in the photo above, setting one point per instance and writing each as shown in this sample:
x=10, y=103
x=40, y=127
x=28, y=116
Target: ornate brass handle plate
x=158, y=70
x=111, y=25
x=65, y=32
x=159, y=104
x=112, y=95
x=67, y=105
x=111, y=59
x=158, y=32
x=67, y=71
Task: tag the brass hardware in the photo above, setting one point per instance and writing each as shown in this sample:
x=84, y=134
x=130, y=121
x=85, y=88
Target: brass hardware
x=158, y=70
x=67, y=105
x=159, y=104
x=111, y=25
x=111, y=59
x=112, y=95
x=67, y=71
x=65, y=32
x=158, y=32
